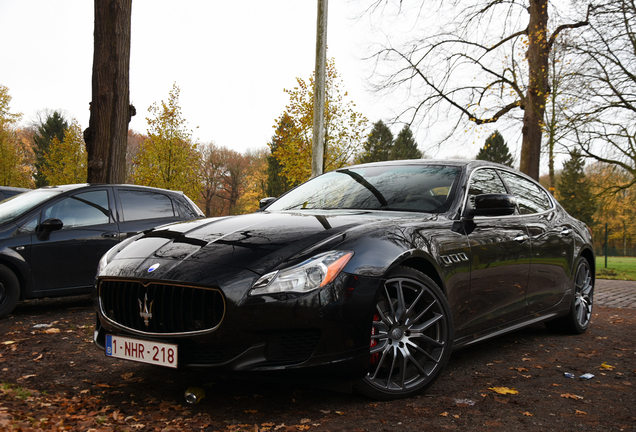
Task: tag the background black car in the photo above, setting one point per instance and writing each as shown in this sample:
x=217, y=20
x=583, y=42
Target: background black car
x=372, y=273
x=52, y=238
x=8, y=191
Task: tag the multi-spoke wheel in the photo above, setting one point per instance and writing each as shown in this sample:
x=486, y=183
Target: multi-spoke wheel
x=578, y=319
x=411, y=337
x=9, y=291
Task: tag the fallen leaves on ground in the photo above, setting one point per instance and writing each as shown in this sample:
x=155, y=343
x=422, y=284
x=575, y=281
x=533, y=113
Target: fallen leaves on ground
x=572, y=396
x=605, y=366
x=503, y=390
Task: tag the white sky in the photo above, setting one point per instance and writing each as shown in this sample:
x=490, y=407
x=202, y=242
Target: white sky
x=231, y=60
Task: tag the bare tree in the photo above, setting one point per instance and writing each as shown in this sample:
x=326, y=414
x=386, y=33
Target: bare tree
x=106, y=135
x=489, y=60
x=213, y=171
x=607, y=109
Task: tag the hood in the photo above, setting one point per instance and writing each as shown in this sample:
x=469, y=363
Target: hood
x=259, y=242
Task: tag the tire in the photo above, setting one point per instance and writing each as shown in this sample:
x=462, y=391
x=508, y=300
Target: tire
x=9, y=291
x=578, y=318
x=411, y=337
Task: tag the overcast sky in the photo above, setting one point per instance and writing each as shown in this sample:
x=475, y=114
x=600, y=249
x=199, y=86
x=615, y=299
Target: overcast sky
x=231, y=60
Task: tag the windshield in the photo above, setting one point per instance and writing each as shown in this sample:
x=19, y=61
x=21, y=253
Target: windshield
x=405, y=188
x=20, y=204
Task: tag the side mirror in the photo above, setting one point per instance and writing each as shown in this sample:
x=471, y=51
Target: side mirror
x=266, y=201
x=51, y=225
x=491, y=205
x=45, y=228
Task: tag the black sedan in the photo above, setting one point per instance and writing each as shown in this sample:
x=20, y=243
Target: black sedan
x=372, y=273
x=52, y=238
x=8, y=192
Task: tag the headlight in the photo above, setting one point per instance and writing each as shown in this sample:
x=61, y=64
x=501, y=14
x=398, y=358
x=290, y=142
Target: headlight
x=314, y=273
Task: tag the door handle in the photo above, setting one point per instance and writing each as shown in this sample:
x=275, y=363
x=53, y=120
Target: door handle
x=521, y=238
x=566, y=232
x=111, y=234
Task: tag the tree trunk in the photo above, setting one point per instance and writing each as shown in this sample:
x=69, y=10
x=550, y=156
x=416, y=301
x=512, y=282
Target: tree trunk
x=534, y=104
x=107, y=131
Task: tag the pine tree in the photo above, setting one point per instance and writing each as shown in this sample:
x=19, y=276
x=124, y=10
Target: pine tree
x=405, y=146
x=378, y=145
x=52, y=128
x=495, y=150
x=574, y=191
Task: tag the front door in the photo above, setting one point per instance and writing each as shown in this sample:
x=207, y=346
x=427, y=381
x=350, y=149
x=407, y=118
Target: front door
x=67, y=259
x=500, y=261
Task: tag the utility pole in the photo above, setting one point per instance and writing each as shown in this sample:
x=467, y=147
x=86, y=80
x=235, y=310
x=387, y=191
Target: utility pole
x=318, y=147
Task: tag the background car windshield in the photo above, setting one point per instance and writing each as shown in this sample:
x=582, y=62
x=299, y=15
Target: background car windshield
x=20, y=204
x=404, y=188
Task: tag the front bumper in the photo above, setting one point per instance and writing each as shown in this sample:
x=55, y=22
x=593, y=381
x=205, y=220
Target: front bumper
x=326, y=331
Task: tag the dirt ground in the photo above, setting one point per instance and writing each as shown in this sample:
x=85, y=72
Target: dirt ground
x=53, y=378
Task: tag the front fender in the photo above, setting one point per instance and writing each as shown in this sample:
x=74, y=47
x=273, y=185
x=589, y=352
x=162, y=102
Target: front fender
x=20, y=266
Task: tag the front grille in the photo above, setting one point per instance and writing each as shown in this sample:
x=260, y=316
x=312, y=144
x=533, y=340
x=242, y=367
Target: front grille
x=292, y=346
x=161, y=308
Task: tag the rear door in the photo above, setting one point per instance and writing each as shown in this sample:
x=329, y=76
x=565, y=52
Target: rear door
x=141, y=209
x=552, y=243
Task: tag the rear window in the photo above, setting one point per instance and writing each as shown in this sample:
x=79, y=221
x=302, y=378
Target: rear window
x=137, y=205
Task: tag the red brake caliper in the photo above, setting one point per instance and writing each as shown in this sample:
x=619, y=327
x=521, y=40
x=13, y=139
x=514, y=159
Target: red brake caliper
x=374, y=357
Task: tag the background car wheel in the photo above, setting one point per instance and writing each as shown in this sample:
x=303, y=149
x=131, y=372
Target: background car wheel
x=411, y=337
x=578, y=319
x=9, y=291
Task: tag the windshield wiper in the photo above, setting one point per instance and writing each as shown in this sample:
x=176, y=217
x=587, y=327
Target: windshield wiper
x=376, y=193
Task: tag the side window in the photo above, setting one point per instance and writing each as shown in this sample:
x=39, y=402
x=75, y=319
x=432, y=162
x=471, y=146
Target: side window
x=530, y=197
x=485, y=181
x=28, y=227
x=82, y=209
x=138, y=205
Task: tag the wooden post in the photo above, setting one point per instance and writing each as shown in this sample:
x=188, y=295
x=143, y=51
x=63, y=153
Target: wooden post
x=318, y=147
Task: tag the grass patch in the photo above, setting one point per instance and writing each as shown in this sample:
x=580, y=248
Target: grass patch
x=618, y=268
x=16, y=391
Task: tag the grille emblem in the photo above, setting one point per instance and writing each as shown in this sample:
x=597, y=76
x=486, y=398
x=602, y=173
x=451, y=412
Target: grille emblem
x=145, y=310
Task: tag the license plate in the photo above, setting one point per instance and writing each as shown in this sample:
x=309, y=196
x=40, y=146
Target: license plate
x=141, y=351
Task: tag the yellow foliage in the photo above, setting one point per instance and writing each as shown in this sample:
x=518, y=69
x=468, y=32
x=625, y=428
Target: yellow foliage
x=168, y=158
x=65, y=162
x=255, y=183
x=615, y=208
x=344, y=128
x=16, y=155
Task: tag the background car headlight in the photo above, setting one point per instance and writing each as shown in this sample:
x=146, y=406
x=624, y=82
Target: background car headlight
x=108, y=256
x=314, y=273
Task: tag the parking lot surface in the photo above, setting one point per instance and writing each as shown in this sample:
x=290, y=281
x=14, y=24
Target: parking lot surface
x=615, y=293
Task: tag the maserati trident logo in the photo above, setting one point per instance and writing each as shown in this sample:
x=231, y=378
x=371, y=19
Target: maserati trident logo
x=153, y=267
x=145, y=310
